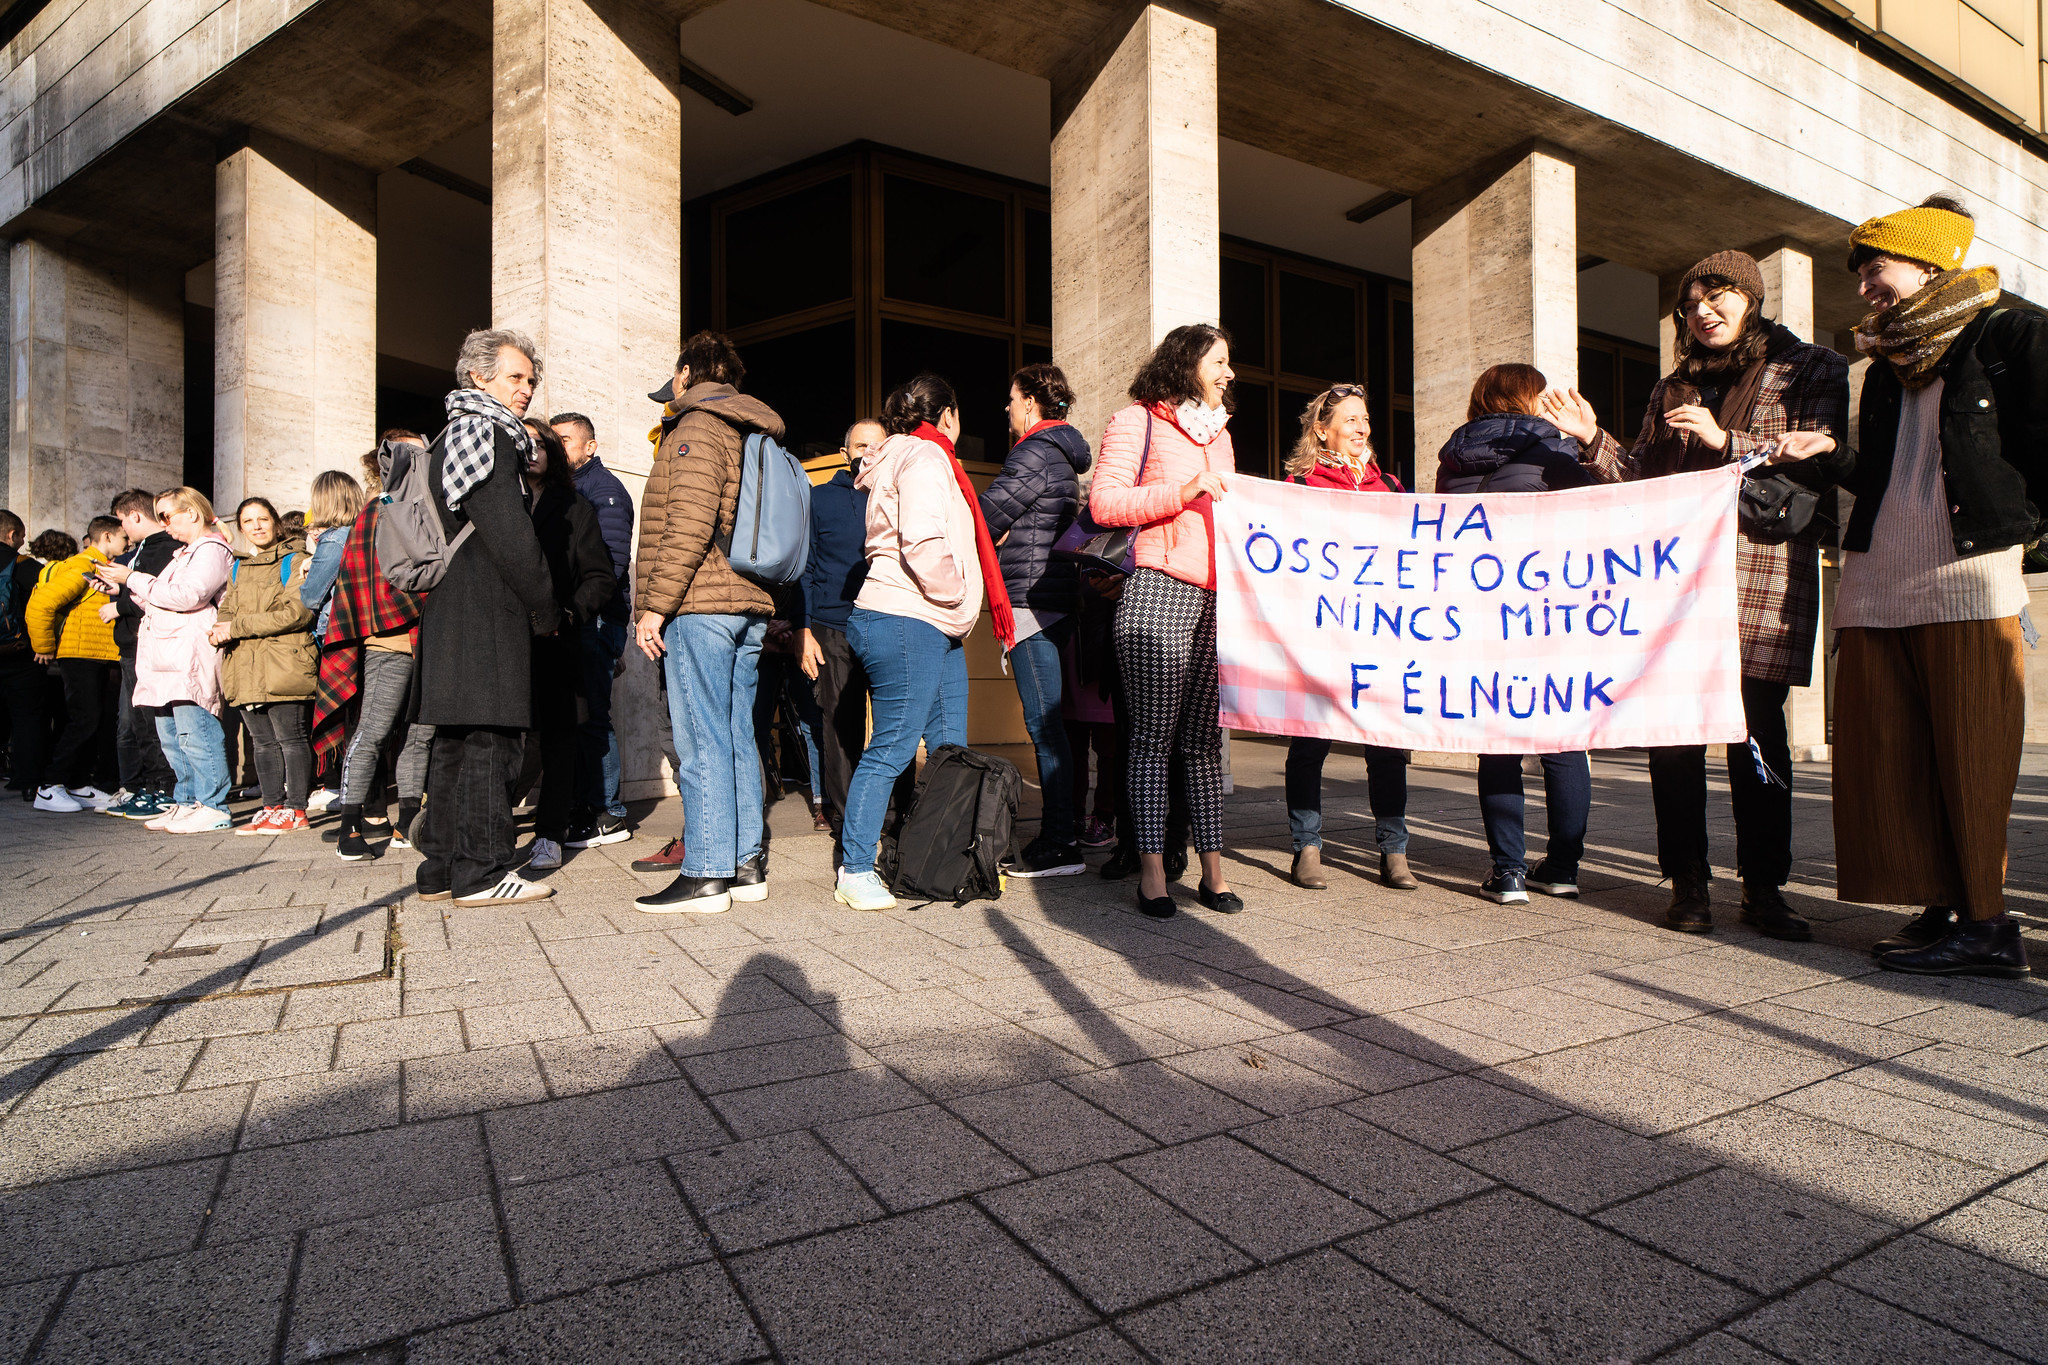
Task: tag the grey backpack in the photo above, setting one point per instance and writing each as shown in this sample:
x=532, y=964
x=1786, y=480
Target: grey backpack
x=413, y=549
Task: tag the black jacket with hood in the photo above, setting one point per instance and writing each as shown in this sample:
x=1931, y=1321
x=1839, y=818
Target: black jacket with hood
x=1033, y=501
x=1509, y=452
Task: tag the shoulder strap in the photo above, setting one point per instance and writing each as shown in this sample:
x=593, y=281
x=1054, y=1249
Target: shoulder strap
x=235, y=571
x=285, y=576
x=1145, y=458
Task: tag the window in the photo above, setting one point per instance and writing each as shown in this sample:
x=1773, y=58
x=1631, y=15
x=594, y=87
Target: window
x=945, y=247
x=1616, y=377
x=790, y=253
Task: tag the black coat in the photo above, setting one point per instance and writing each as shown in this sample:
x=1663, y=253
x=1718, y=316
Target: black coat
x=1518, y=453
x=477, y=628
x=1994, y=434
x=580, y=568
x=1034, y=501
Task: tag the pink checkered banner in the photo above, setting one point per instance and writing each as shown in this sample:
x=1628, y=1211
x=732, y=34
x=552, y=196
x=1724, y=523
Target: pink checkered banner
x=1597, y=618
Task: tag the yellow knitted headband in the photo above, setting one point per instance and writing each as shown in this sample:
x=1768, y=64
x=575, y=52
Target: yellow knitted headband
x=1933, y=237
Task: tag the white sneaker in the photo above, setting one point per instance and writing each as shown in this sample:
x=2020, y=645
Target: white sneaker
x=546, y=856
x=95, y=799
x=863, y=891
x=57, y=799
x=164, y=821
x=201, y=820
x=322, y=799
x=512, y=889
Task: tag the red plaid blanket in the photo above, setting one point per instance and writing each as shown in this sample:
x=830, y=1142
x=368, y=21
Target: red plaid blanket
x=364, y=605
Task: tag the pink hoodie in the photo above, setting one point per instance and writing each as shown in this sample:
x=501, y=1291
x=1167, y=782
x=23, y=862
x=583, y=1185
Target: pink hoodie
x=1176, y=540
x=174, y=661
x=922, y=562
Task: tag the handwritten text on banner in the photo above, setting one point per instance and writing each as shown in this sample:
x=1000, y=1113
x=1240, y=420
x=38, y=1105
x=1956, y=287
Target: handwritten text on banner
x=1486, y=623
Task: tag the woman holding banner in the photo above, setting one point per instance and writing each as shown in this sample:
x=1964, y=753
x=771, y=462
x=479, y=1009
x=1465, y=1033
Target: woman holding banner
x=1162, y=465
x=1505, y=447
x=1743, y=386
x=1335, y=451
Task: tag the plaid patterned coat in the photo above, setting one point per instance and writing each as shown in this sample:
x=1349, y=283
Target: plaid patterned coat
x=1805, y=388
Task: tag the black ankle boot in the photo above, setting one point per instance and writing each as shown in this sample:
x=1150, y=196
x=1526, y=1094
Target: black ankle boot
x=1123, y=861
x=1981, y=947
x=1691, y=906
x=1932, y=925
x=353, y=847
x=1764, y=910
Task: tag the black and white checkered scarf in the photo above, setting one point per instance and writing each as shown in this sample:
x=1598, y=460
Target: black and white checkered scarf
x=469, y=444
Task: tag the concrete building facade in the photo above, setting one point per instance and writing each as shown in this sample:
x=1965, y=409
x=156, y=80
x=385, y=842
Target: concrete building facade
x=305, y=203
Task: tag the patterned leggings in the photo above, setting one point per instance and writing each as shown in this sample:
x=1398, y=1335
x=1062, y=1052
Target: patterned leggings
x=1166, y=649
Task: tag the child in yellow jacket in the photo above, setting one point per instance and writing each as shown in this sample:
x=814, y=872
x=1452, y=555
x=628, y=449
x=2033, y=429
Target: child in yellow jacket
x=64, y=627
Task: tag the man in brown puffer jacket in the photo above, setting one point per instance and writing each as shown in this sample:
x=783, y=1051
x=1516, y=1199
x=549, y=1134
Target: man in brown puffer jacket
x=704, y=623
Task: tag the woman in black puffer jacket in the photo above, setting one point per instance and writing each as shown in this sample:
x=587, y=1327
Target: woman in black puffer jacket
x=1029, y=506
x=1505, y=448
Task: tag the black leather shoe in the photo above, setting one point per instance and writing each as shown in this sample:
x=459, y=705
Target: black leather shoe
x=1932, y=925
x=1176, y=860
x=1123, y=861
x=1764, y=910
x=689, y=896
x=1982, y=947
x=1690, y=911
x=750, y=882
x=1222, y=902
x=1155, y=907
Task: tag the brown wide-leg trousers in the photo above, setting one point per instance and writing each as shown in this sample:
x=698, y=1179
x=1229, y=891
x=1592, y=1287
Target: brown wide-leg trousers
x=1928, y=726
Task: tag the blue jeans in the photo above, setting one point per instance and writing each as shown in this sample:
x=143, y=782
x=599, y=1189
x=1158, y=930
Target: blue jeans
x=1386, y=791
x=917, y=680
x=712, y=665
x=1567, y=798
x=196, y=747
x=1036, y=662
x=597, y=748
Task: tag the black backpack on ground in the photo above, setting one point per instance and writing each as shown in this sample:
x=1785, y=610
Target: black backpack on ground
x=950, y=846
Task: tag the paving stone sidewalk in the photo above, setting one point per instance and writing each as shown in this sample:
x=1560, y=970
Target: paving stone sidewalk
x=1354, y=1125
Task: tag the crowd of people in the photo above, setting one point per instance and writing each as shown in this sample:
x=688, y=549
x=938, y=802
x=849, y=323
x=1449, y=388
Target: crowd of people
x=127, y=667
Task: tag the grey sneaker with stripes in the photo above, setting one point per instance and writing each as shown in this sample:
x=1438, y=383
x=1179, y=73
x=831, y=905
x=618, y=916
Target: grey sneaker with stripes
x=512, y=889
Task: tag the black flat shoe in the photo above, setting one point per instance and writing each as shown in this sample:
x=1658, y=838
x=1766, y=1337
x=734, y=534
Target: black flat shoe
x=1156, y=907
x=1176, y=861
x=1932, y=925
x=1984, y=947
x=1222, y=902
x=1123, y=861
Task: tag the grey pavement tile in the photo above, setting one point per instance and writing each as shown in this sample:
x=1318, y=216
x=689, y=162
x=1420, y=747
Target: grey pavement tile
x=1322, y=1309
x=2001, y=1146
x=1385, y=1173
x=867, y=1294
x=813, y=1100
x=2031, y=1189
x=350, y=1004
x=87, y=1032
x=322, y=1104
x=482, y=992
x=1871, y=1175
x=1535, y=1018
x=1279, y=1010
x=1989, y=1301
x=1433, y=1041
x=728, y=1000
x=1826, y=1324
x=395, y=1273
x=1101, y=1346
x=1453, y=1111
x=1103, y=1038
x=400, y=1039
x=916, y=1157
x=1996, y=1098
x=610, y=1010
x=467, y=1082
x=771, y=1189
x=1247, y=1198
x=1581, y=1163
x=1048, y=1128
x=1634, y=996
x=1627, y=1094
x=23, y=1310
x=103, y=1220
x=1772, y=1024
x=522, y=1021
x=608, y=1225
x=686, y=1317
x=1993, y=1029
x=877, y=1021
x=1579, y=1293
x=769, y=1063
x=1718, y=1348
x=218, y=1306
x=217, y=1018
x=1762, y=1236
x=993, y=1058
x=1041, y=996
x=604, y=1061
x=1872, y=1001
x=1737, y=1066
x=1160, y=1102
x=592, y=1132
x=26, y=1000
x=1197, y=1023
x=2001, y=1229
x=1251, y=1073
x=310, y=1183
x=260, y=1056
x=60, y=1143
x=124, y=1073
x=1984, y=1075
x=1359, y=1064
x=726, y=1032
x=1115, y=1241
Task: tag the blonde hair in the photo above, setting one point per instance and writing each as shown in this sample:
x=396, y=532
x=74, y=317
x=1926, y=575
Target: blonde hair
x=183, y=499
x=1317, y=414
x=336, y=500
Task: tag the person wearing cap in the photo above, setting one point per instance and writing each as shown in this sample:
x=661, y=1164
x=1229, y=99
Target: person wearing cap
x=1743, y=385
x=704, y=623
x=1930, y=688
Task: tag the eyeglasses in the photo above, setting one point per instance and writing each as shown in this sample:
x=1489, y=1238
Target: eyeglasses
x=1713, y=300
x=1340, y=391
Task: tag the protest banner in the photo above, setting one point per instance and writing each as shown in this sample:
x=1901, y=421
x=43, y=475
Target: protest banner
x=1596, y=618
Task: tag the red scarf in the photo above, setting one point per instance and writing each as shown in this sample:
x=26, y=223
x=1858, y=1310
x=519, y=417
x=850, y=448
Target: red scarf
x=991, y=571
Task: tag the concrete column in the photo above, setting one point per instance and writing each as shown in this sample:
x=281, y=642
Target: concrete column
x=295, y=320
x=1134, y=204
x=586, y=246
x=1496, y=282
x=97, y=403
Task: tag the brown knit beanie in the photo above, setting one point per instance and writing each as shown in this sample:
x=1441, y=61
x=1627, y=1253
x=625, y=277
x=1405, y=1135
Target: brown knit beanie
x=1737, y=267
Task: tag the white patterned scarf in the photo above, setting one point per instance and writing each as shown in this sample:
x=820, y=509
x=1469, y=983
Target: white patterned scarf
x=1202, y=425
x=469, y=444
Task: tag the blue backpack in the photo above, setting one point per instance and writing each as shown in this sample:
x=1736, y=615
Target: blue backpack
x=770, y=539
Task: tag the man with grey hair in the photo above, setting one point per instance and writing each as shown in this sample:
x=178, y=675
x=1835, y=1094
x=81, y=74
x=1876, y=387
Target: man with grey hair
x=477, y=628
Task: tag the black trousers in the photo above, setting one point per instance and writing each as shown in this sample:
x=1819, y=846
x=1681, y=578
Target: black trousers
x=842, y=692
x=85, y=752
x=143, y=765
x=560, y=741
x=24, y=685
x=1763, y=810
x=468, y=835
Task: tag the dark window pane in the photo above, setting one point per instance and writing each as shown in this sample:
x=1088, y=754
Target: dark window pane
x=1251, y=436
x=1244, y=311
x=1038, y=267
x=807, y=377
x=1401, y=342
x=977, y=367
x=1397, y=449
x=1287, y=421
x=1638, y=377
x=1035, y=354
x=1319, y=329
x=789, y=254
x=1596, y=382
x=944, y=247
